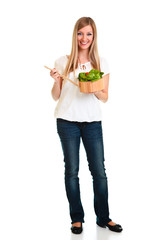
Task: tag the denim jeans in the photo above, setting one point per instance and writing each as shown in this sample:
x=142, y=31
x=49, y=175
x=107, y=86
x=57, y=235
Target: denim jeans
x=70, y=134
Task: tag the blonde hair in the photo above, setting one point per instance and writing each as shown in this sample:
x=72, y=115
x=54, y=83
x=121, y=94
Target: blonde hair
x=72, y=63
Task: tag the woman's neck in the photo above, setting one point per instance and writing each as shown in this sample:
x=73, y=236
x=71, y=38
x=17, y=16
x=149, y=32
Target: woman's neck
x=83, y=55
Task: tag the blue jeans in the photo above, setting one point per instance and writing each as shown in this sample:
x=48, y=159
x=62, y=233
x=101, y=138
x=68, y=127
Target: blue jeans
x=70, y=134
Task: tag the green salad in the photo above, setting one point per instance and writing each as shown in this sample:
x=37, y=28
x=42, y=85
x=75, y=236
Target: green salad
x=92, y=76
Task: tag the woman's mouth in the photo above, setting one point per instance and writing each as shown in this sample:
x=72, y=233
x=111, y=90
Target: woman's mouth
x=84, y=43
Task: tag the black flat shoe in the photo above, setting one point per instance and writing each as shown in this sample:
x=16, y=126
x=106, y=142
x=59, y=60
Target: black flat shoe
x=76, y=230
x=114, y=228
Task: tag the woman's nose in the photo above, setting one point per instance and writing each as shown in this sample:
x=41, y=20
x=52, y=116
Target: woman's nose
x=84, y=37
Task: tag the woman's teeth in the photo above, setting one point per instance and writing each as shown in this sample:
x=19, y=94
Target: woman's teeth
x=84, y=43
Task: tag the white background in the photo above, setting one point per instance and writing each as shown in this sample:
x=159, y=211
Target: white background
x=33, y=203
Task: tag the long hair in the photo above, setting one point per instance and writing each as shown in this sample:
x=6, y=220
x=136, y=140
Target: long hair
x=72, y=63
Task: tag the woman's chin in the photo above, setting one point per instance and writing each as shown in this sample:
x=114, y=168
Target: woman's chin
x=83, y=47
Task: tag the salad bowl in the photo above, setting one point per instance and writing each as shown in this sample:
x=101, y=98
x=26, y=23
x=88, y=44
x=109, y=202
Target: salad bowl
x=90, y=82
x=90, y=87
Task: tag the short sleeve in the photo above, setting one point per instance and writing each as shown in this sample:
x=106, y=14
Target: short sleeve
x=104, y=65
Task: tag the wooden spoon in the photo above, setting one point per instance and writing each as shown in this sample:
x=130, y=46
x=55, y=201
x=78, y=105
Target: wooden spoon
x=65, y=77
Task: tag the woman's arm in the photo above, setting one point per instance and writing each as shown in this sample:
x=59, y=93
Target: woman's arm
x=103, y=95
x=56, y=89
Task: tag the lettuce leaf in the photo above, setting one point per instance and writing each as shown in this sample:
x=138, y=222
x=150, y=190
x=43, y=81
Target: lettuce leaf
x=92, y=75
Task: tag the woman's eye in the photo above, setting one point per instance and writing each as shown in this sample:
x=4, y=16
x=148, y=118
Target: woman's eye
x=80, y=34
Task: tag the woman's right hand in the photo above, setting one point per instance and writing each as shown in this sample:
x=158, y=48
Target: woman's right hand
x=54, y=74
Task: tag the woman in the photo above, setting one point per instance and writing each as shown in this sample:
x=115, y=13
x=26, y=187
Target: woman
x=79, y=117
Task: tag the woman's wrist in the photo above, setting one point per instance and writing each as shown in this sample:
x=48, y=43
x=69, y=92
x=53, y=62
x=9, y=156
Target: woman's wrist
x=98, y=94
x=57, y=81
x=101, y=96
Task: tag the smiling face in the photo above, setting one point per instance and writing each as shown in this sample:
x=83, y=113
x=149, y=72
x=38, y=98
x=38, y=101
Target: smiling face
x=85, y=37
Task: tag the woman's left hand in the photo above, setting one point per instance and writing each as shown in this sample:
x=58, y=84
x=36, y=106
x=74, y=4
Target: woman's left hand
x=98, y=93
x=103, y=95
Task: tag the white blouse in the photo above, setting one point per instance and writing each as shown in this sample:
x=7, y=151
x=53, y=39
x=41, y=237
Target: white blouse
x=72, y=104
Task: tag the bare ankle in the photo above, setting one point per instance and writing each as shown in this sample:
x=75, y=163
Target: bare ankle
x=77, y=224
